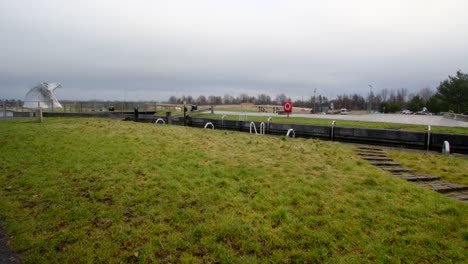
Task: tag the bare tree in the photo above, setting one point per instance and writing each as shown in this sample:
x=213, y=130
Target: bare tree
x=384, y=94
x=172, y=100
x=263, y=99
x=402, y=93
x=425, y=94
x=201, y=100
x=228, y=99
x=244, y=98
x=280, y=98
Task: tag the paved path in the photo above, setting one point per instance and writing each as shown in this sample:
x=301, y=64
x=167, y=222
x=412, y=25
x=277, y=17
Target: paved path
x=385, y=118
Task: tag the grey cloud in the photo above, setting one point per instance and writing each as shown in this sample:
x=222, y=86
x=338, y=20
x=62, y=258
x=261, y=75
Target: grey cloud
x=97, y=49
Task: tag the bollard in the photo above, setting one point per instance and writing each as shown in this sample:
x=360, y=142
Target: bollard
x=446, y=148
x=168, y=118
x=185, y=115
x=39, y=115
x=135, y=110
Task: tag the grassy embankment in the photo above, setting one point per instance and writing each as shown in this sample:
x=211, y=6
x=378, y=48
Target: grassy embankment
x=97, y=190
x=343, y=123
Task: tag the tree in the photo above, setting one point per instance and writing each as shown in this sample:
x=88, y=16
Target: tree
x=280, y=98
x=436, y=105
x=425, y=94
x=263, y=99
x=384, y=94
x=387, y=107
x=172, y=100
x=416, y=104
x=228, y=99
x=454, y=91
x=201, y=100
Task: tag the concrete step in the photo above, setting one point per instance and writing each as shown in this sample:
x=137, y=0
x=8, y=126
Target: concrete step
x=370, y=148
x=368, y=154
x=458, y=195
x=414, y=178
x=442, y=186
x=386, y=163
x=371, y=151
x=374, y=158
x=397, y=170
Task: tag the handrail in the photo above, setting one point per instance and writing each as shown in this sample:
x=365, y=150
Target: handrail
x=429, y=137
x=255, y=128
x=209, y=124
x=268, y=124
x=160, y=119
x=262, y=128
x=289, y=131
x=222, y=121
x=446, y=148
x=332, y=136
x=243, y=116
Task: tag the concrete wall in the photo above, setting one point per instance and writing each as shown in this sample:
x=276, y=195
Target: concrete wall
x=457, y=117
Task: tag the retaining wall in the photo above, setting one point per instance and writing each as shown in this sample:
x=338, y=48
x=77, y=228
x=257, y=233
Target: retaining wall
x=386, y=137
x=457, y=117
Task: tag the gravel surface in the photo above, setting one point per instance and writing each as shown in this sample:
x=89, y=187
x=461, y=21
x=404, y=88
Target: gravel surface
x=385, y=118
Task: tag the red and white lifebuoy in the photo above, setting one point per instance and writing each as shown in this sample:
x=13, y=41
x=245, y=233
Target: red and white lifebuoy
x=287, y=107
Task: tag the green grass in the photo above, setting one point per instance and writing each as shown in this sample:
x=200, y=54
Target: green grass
x=451, y=168
x=163, y=112
x=97, y=190
x=342, y=123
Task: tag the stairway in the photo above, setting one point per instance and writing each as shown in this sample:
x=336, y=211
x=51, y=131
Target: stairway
x=377, y=157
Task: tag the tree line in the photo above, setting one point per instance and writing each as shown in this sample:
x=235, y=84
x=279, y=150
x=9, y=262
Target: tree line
x=450, y=95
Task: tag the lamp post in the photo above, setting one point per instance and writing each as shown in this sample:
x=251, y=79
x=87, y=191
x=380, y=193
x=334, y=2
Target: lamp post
x=315, y=99
x=370, y=98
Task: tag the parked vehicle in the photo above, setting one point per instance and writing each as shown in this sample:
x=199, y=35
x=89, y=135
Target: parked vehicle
x=406, y=112
x=344, y=111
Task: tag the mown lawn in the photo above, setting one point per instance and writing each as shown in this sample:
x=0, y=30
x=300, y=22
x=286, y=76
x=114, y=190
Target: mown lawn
x=97, y=190
x=451, y=168
x=343, y=123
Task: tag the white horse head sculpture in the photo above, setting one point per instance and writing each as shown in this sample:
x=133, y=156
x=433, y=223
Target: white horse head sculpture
x=41, y=96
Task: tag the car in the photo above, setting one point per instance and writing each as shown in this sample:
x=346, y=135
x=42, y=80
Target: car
x=406, y=112
x=344, y=111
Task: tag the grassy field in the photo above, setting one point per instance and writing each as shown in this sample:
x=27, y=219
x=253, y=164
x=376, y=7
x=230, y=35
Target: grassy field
x=451, y=168
x=97, y=190
x=343, y=123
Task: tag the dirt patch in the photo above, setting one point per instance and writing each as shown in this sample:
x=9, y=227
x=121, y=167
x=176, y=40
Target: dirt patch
x=6, y=256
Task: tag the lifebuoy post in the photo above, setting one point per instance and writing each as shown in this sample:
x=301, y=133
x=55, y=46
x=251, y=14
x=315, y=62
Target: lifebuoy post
x=287, y=107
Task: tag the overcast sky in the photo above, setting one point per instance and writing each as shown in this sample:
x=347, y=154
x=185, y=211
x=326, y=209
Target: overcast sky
x=149, y=50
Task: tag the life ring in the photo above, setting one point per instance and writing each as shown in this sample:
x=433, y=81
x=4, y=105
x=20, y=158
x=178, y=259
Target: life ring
x=287, y=107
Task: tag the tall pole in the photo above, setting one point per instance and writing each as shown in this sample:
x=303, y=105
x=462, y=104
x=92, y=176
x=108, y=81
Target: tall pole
x=315, y=99
x=370, y=98
x=4, y=108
